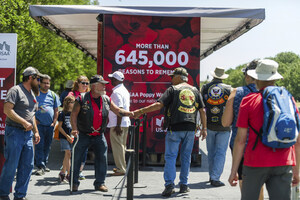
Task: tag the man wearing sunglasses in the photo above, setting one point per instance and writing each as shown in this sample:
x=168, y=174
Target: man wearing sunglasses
x=20, y=133
x=46, y=118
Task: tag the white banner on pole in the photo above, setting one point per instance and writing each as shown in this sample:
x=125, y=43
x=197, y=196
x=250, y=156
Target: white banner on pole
x=8, y=50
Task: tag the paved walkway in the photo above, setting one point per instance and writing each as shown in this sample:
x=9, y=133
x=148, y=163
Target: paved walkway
x=150, y=183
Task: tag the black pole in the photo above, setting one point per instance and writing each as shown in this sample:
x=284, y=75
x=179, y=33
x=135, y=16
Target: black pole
x=144, y=140
x=137, y=150
x=130, y=174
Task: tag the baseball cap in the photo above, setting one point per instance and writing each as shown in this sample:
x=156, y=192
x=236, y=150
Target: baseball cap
x=98, y=78
x=266, y=70
x=179, y=71
x=69, y=84
x=31, y=71
x=117, y=75
x=251, y=65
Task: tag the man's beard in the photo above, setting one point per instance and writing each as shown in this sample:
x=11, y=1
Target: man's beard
x=35, y=89
x=100, y=92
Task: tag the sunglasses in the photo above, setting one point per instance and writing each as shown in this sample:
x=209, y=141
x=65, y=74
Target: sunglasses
x=84, y=83
x=36, y=77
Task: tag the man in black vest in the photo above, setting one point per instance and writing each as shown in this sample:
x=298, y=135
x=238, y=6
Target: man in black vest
x=182, y=102
x=215, y=95
x=89, y=119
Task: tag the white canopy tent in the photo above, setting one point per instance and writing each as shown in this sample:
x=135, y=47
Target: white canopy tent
x=78, y=23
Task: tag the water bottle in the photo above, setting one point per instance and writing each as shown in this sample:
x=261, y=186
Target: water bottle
x=198, y=133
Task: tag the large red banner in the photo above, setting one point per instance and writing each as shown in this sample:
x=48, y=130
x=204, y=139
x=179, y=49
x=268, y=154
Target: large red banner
x=146, y=49
x=8, y=57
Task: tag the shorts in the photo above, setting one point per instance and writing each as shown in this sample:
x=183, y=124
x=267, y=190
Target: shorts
x=65, y=145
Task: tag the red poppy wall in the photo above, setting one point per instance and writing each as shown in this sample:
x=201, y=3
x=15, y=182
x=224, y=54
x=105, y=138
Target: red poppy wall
x=146, y=49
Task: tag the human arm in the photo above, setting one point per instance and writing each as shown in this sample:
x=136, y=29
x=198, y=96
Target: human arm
x=227, y=116
x=204, y=123
x=63, y=132
x=151, y=108
x=73, y=118
x=11, y=114
x=238, y=151
x=295, y=180
x=119, y=111
x=35, y=130
x=55, y=117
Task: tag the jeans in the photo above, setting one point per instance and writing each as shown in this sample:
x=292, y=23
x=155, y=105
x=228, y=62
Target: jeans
x=100, y=149
x=216, y=144
x=172, y=140
x=42, y=149
x=18, y=154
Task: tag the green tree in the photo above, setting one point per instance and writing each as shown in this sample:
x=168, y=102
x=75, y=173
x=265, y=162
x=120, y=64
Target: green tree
x=42, y=48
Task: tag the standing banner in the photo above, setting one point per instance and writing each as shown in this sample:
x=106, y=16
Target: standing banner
x=8, y=58
x=146, y=49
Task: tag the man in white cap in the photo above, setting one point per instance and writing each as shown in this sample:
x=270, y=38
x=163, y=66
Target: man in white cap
x=215, y=95
x=262, y=164
x=20, y=132
x=119, y=124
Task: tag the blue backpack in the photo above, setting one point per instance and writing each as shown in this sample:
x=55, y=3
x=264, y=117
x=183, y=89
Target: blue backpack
x=281, y=121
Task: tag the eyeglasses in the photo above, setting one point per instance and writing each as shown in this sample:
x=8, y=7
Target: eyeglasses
x=84, y=83
x=46, y=83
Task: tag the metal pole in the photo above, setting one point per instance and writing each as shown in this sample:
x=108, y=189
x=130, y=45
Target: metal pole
x=130, y=174
x=72, y=164
x=137, y=150
x=144, y=140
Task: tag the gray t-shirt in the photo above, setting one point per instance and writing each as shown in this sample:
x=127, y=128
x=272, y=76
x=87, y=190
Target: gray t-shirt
x=25, y=104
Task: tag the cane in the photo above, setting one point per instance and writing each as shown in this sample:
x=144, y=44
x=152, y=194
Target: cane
x=72, y=164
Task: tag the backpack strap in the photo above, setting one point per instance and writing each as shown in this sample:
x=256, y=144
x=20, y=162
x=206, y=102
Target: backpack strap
x=249, y=88
x=258, y=136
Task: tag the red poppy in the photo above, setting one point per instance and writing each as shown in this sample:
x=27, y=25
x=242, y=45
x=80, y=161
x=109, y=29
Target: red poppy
x=131, y=24
x=191, y=45
x=113, y=41
x=174, y=22
x=195, y=25
x=145, y=37
x=34, y=100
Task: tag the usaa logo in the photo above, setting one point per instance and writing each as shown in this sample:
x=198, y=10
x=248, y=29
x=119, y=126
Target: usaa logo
x=4, y=49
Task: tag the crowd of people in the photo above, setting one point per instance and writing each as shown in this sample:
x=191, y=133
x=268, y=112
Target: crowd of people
x=32, y=111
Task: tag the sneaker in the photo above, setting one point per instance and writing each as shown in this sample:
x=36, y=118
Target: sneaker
x=40, y=172
x=81, y=176
x=46, y=169
x=67, y=178
x=61, y=177
x=169, y=189
x=184, y=188
x=216, y=183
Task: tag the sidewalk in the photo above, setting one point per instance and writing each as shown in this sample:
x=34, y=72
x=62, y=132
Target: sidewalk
x=150, y=183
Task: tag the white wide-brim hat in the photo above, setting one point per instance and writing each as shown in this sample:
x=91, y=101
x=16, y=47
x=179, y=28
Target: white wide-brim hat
x=266, y=70
x=219, y=73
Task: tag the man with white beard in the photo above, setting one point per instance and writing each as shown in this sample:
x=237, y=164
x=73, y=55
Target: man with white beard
x=89, y=119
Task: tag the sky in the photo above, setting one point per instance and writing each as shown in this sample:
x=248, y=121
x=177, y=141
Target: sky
x=279, y=32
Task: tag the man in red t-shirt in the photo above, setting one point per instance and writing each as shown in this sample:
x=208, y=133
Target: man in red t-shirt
x=263, y=164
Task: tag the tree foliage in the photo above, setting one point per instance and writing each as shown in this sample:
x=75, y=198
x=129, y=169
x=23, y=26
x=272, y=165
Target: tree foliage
x=289, y=68
x=42, y=48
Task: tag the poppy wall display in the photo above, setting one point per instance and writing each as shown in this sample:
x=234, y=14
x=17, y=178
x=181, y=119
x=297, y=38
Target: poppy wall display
x=146, y=49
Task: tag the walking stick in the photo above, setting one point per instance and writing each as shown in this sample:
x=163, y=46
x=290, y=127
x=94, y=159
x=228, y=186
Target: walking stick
x=72, y=164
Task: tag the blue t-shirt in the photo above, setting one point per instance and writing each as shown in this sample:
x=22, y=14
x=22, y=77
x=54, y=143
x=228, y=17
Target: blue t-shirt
x=241, y=92
x=46, y=106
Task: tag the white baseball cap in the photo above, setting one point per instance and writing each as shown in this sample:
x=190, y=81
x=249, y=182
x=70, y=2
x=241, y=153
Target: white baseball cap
x=266, y=70
x=117, y=75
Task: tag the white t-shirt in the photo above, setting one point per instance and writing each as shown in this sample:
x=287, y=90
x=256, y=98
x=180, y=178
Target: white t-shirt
x=121, y=97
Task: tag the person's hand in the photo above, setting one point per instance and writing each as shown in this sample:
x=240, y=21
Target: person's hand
x=131, y=114
x=233, y=178
x=74, y=133
x=36, y=138
x=295, y=180
x=203, y=134
x=70, y=140
x=52, y=125
x=28, y=126
x=118, y=130
x=137, y=113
